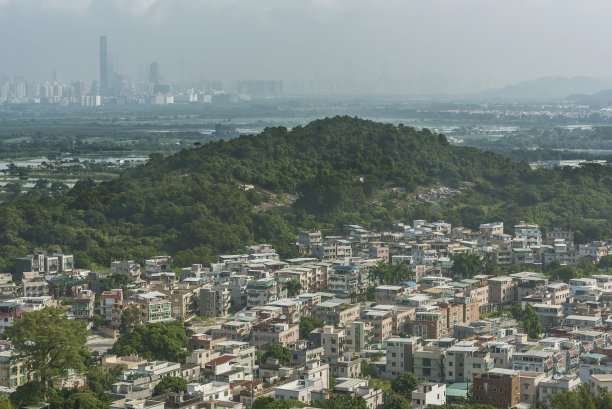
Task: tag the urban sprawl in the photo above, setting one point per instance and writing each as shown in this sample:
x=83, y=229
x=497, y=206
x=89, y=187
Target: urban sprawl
x=458, y=333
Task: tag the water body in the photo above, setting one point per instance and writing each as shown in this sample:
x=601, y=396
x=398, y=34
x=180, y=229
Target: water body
x=4, y=164
x=591, y=151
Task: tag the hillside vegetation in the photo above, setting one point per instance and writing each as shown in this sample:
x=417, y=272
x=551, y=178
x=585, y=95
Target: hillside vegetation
x=191, y=204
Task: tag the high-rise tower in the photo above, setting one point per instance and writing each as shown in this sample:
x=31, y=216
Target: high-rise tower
x=103, y=65
x=154, y=73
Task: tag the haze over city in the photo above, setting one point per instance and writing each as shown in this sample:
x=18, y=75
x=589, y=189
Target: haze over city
x=434, y=46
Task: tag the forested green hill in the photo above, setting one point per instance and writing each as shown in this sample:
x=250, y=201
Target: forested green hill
x=190, y=204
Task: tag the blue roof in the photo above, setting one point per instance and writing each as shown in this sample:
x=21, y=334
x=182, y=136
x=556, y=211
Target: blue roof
x=345, y=267
x=411, y=283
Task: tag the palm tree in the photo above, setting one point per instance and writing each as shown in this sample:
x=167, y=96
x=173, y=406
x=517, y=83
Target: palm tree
x=466, y=264
x=293, y=288
x=387, y=273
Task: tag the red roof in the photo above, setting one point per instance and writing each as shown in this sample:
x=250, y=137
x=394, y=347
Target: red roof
x=11, y=314
x=221, y=360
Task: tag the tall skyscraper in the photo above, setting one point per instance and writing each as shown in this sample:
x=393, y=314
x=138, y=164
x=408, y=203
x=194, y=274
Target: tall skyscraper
x=154, y=73
x=103, y=65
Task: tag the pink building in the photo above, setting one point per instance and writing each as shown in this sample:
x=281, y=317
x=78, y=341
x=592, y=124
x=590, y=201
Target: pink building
x=559, y=293
x=479, y=293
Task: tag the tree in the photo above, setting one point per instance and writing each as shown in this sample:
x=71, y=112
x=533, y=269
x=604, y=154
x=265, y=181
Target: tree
x=48, y=343
x=342, y=402
x=587, y=266
x=99, y=381
x=130, y=318
x=5, y=403
x=170, y=384
x=98, y=320
x=367, y=368
x=398, y=403
x=466, y=264
x=332, y=382
x=307, y=324
x=565, y=273
x=117, y=280
x=530, y=319
x=278, y=351
x=388, y=273
x=30, y=393
x=605, y=262
x=262, y=402
x=161, y=341
x=84, y=400
x=293, y=288
x=405, y=383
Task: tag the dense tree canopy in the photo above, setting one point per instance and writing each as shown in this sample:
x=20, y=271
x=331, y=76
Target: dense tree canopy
x=307, y=324
x=388, y=273
x=398, y=403
x=170, y=384
x=130, y=318
x=342, y=402
x=191, y=205
x=48, y=343
x=467, y=265
x=530, y=319
x=278, y=351
x=405, y=383
x=159, y=341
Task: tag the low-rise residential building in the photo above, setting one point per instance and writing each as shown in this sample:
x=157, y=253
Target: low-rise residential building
x=388, y=294
x=550, y=315
x=263, y=292
x=155, y=307
x=126, y=267
x=599, y=383
x=107, y=300
x=12, y=373
x=465, y=360
x=400, y=355
x=211, y=391
x=554, y=386
x=359, y=387
x=337, y=311
x=529, y=386
x=158, y=264
x=84, y=304
x=498, y=387
x=299, y=390
x=268, y=334
x=429, y=363
x=232, y=330
x=582, y=321
x=428, y=394
x=215, y=301
x=430, y=324
x=535, y=360
x=358, y=336
x=502, y=290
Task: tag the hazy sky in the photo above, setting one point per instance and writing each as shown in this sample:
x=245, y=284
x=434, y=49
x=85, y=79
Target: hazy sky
x=473, y=43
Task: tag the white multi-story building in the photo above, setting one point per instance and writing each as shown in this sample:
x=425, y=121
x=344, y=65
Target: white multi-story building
x=554, y=386
x=211, y=390
x=530, y=233
x=429, y=394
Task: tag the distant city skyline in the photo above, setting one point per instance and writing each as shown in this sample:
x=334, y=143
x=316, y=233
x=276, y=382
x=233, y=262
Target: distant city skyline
x=434, y=46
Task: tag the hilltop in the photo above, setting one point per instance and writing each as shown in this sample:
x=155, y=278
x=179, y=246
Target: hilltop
x=331, y=172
